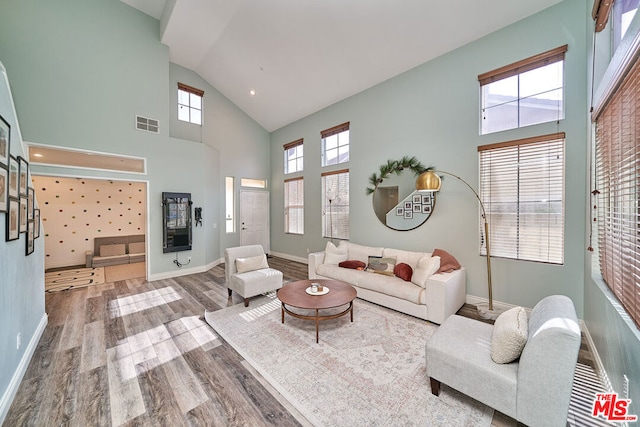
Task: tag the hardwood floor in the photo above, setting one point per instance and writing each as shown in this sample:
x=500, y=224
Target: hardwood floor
x=138, y=353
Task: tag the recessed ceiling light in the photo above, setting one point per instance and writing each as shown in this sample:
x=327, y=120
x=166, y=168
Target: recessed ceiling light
x=252, y=92
x=37, y=155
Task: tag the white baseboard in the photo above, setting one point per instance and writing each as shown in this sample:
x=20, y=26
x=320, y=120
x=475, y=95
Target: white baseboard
x=474, y=300
x=599, y=366
x=290, y=257
x=10, y=392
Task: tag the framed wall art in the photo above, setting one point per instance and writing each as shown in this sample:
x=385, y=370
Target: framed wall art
x=30, y=237
x=13, y=214
x=13, y=176
x=5, y=133
x=23, y=214
x=4, y=188
x=30, y=203
x=36, y=223
x=24, y=173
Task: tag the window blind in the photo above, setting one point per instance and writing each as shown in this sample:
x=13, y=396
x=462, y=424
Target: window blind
x=522, y=189
x=293, y=144
x=191, y=89
x=528, y=64
x=618, y=181
x=334, y=130
x=335, y=204
x=294, y=206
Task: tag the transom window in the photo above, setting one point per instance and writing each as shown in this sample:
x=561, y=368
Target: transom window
x=335, y=145
x=293, y=156
x=524, y=93
x=522, y=189
x=294, y=206
x=190, y=104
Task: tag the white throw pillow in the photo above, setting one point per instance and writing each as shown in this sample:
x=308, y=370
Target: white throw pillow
x=334, y=255
x=251, y=263
x=510, y=333
x=426, y=267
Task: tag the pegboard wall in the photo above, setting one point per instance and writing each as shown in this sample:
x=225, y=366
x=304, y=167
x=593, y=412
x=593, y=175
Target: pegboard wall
x=76, y=210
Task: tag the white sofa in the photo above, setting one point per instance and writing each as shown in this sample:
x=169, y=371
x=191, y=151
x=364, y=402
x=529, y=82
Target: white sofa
x=440, y=296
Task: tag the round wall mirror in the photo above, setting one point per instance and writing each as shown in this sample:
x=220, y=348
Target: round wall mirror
x=398, y=204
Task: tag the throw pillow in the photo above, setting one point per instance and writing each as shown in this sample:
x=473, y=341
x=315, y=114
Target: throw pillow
x=382, y=265
x=510, y=333
x=448, y=263
x=403, y=271
x=251, y=263
x=334, y=254
x=427, y=266
x=353, y=264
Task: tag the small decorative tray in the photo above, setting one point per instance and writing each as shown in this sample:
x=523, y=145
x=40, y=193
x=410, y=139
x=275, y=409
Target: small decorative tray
x=324, y=291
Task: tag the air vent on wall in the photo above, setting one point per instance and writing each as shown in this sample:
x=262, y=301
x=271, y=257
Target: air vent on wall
x=146, y=124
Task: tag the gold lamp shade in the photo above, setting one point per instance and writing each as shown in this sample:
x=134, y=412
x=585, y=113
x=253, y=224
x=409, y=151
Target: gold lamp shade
x=428, y=181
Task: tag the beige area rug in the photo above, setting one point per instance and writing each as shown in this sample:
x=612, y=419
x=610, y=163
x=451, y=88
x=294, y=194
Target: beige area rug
x=114, y=273
x=367, y=373
x=75, y=278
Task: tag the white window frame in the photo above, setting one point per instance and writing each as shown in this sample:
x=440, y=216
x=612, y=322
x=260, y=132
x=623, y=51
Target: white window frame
x=342, y=145
x=294, y=206
x=536, y=101
x=294, y=157
x=190, y=99
x=335, y=205
x=522, y=189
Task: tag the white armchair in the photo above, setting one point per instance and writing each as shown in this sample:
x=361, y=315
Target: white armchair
x=247, y=272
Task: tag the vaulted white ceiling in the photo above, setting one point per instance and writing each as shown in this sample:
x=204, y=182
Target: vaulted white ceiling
x=300, y=56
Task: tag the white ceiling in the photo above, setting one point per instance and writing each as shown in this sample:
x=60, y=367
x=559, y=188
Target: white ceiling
x=303, y=55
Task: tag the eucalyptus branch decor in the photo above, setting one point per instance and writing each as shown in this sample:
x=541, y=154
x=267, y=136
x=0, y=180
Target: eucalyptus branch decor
x=396, y=167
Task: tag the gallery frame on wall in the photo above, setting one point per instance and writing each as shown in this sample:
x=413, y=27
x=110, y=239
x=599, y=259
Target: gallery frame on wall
x=36, y=223
x=23, y=214
x=24, y=173
x=5, y=141
x=4, y=188
x=12, y=218
x=13, y=176
x=30, y=238
x=31, y=197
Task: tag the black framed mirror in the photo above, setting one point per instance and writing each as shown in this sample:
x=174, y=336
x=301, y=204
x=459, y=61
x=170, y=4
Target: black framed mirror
x=176, y=222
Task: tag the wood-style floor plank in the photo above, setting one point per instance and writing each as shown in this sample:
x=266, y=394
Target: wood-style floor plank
x=137, y=353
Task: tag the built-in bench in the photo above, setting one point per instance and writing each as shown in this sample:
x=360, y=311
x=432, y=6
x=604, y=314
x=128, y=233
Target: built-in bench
x=116, y=250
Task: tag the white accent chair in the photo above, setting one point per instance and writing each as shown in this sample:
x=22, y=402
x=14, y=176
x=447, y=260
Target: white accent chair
x=249, y=283
x=534, y=390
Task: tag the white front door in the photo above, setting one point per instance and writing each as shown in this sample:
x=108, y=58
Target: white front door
x=254, y=218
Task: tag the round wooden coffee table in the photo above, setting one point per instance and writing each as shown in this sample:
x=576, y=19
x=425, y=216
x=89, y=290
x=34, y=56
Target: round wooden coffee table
x=294, y=295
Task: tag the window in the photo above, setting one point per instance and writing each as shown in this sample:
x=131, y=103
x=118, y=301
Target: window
x=617, y=172
x=293, y=156
x=190, y=104
x=623, y=13
x=253, y=183
x=335, y=204
x=525, y=93
x=229, y=218
x=522, y=188
x=335, y=145
x=294, y=206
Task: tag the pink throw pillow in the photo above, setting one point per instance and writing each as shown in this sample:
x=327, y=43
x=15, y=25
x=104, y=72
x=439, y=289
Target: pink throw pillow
x=448, y=263
x=403, y=271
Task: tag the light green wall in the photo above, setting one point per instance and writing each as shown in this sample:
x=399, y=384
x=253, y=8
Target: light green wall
x=80, y=71
x=21, y=281
x=616, y=337
x=431, y=112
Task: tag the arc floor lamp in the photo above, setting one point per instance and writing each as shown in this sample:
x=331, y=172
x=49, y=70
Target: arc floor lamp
x=431, y=181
